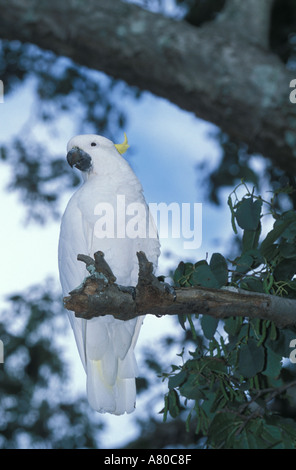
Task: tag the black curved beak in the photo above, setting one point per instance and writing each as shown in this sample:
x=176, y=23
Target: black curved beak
x=78, y=158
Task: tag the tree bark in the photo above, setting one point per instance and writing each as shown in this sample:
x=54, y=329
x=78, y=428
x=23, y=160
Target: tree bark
x=223, y=71
x=251, y=19
x=217, y=303
x=99, y=295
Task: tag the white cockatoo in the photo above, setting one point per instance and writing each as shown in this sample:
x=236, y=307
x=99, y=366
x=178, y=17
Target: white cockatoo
x=110, y=194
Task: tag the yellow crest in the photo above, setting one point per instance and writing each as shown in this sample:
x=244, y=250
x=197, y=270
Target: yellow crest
x=122, y=148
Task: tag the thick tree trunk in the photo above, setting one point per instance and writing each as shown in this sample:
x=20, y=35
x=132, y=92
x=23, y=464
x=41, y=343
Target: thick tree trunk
x=223, y=71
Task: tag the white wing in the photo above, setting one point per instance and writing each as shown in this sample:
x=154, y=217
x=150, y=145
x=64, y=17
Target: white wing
x=72, y=272
x=105, y=344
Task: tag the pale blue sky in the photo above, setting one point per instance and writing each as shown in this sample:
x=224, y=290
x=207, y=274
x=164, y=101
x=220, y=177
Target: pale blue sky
x=166, y=143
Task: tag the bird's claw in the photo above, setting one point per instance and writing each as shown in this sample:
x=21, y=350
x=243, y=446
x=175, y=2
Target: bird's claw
x=129, y=289
x=170, y=290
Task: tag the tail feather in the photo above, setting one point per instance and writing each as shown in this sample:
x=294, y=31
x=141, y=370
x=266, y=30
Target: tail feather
x=128, y=367
x=109, y=365
x=117, y=398
x=121, y=338
x=97, y=341
x=100, y=395
x=108, y=345
x=79, y=329
x=126, y=396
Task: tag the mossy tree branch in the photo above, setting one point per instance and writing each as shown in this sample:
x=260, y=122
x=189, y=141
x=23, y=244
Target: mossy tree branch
x=223, y=71
x=100, y=295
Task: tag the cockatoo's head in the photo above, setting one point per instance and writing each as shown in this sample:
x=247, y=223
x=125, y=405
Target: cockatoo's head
x=92, y=153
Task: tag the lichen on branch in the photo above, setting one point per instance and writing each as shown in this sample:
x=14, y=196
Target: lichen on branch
x=100, y=295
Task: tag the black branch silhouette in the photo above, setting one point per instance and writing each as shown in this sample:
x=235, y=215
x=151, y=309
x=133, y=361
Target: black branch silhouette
x=100, y=295
x=230, y=56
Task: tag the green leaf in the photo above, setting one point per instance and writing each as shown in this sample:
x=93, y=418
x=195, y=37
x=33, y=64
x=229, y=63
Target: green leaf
x=204, y=276
x=252, y=284
x=273, y=333
x=229, y=202
x=246, y=440
x=214, y=275
x=273, y=365
x=244, y=263
x=248, y=213
x=177, y=380
x=216, y=365
x=165, y=409
x=182, y=319
x=223, y=428
x=278, y=229
x=251, y=359
x=178, y=274
x=173, y=403
x=288, y=427
x=191, y=389
x=281, y=345
x=187, y=423
x=288, y=250
x=285, y=270
x=200, y=263
x=219, y=267
x=209, y=325
x=251, y=238
x=250, y=259
x=290, y=232
x=272, y=434
x=232, y=325
x=188, y=268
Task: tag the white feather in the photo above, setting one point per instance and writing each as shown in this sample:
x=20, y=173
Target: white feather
x=127, y=367
x=105, y=344
x=97, y=339
x=121, y=337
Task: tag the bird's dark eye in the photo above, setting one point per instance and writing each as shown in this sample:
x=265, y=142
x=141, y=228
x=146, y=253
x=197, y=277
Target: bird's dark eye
x=93, y=144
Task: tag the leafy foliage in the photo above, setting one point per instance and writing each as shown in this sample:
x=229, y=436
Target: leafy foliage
x=199, y=11
x=282, y=24
x=37, y=407
x=236, y=163
x=283, y=30
x=233, y=378
x=63, y=91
